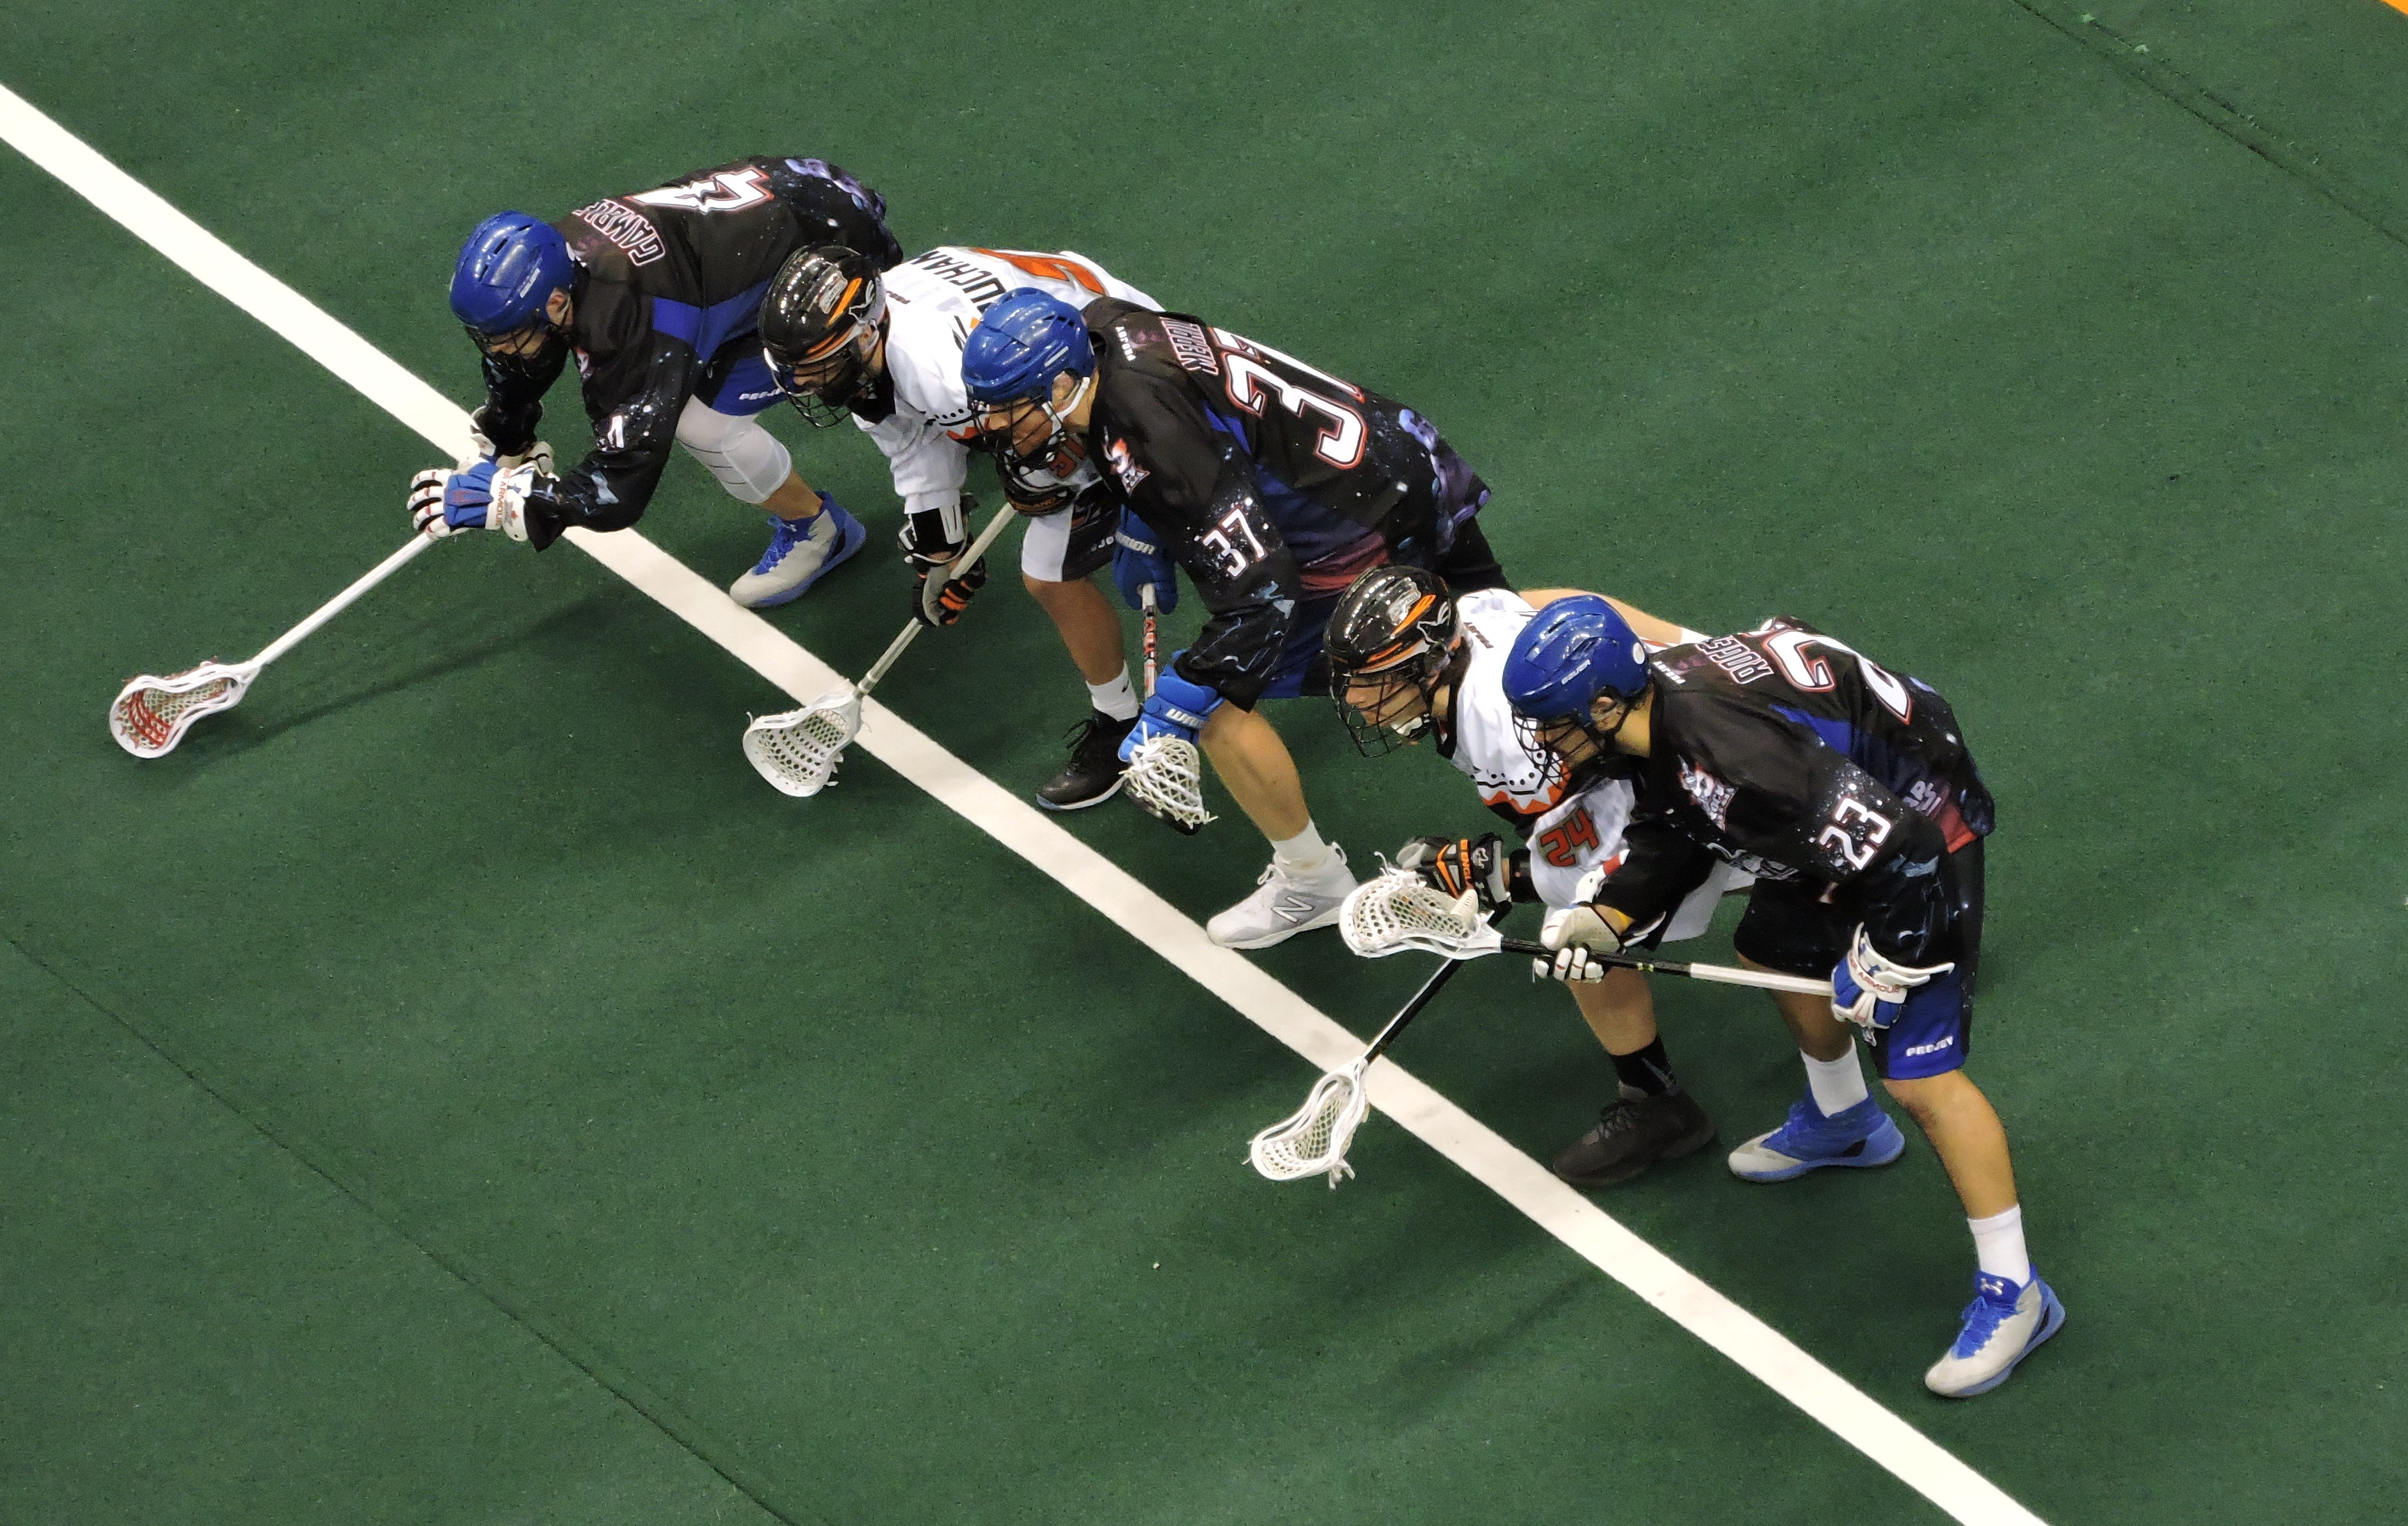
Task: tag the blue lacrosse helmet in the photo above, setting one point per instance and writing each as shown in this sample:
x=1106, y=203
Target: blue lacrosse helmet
x=1025, y=340
x=508, y=271
x=1571, y=653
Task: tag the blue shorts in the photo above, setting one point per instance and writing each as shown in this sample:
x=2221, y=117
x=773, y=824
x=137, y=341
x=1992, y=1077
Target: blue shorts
x=1789, y=927
x=737, y=381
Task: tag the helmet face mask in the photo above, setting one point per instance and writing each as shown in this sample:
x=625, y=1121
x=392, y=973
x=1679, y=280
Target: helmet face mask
x=1013, y=365
x=1058, y=453
x=820, y=321
x=1394, y=639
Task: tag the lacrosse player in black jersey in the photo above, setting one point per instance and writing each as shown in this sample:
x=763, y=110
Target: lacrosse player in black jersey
x=1849, y=793
x=1273, y=484
x=1408, y=663
x=655, y=296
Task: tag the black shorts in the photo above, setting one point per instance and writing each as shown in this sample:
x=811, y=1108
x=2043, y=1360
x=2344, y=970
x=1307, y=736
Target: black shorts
x=1790, y=927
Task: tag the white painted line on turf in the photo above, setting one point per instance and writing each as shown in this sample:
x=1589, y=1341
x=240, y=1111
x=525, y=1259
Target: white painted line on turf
x=1922, y=1464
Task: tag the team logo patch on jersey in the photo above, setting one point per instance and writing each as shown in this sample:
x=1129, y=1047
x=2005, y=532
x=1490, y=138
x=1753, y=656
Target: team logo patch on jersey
x=1711, y=795
x=625, y=227
x=1187, y=342
x=1123, y=466
x=1744, y=663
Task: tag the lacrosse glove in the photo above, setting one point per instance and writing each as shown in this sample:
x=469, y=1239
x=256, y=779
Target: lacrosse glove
x=1137, y=560
x=1482, y=865
x=1870, y=990
x=481, y=495
x=1177, y=708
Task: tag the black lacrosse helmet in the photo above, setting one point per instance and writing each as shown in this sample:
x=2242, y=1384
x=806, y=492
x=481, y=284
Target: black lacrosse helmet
x=817, y=324
x=1394, y=628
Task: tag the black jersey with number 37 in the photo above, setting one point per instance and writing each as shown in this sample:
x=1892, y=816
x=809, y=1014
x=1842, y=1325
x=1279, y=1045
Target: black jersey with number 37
x=1271, y=481
x=1783, y=751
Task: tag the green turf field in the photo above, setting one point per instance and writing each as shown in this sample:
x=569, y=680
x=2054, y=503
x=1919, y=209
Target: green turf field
x=452, y=1088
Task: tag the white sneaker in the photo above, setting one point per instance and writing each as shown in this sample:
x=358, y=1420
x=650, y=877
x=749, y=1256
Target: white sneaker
x=2004, y=1324
x=1285, y=905
x=800, y=552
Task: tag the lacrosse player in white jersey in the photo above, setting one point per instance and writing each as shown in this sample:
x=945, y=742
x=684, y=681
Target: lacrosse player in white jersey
x=845, y=340
x=1407, y=662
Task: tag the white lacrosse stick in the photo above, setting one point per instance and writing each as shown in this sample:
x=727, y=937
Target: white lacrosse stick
x=151, y=714
x=1312, y=1141
x=797, y=750
x=1400, y=910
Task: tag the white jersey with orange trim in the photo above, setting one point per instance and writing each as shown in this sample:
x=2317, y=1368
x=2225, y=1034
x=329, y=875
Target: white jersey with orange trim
x=1568, y=834
x=933, y=301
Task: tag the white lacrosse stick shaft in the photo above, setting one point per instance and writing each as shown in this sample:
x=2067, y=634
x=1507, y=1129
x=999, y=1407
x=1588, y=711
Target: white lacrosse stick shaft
x=911, y=632
x=797, y=752
x=230, y=680
x=409, y=550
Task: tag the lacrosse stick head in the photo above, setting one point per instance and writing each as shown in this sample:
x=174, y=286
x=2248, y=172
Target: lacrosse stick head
x=1312, y=1142
x=1399, y=910
x=797, y=750
x=1166, y=777
x=150, y=715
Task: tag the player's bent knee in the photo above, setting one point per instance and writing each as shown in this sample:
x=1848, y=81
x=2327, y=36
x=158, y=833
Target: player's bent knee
x=750, y=462
x=1926, y=1097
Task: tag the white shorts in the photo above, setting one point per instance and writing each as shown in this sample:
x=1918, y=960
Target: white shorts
x=1069, y=543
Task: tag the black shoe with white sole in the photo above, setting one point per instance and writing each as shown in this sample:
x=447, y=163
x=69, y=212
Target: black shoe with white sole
x=1092, y=774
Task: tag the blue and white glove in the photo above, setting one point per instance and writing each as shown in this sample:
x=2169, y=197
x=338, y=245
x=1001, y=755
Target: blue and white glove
x=1175, y=709
x=1870, y=990
x=480, y=495
x=1137, y=560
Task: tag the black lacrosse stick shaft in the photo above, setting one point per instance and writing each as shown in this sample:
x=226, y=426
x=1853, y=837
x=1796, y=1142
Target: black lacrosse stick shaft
x=1431, y=986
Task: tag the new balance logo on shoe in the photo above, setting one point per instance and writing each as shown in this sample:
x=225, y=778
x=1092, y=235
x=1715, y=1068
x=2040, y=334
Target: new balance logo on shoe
x=1294, y=908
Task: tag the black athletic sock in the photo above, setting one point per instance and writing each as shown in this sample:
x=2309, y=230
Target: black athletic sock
x=1649, y=1069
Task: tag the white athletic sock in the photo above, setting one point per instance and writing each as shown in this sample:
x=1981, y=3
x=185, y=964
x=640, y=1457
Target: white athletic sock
x=1998, y=1244
x=1117, y=699
x=1838, y=1084
x=1303, y=855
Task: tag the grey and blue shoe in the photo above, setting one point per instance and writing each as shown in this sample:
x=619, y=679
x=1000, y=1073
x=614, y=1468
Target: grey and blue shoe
x=1862, y=1135
x=800, y=553
x=2005, y=1323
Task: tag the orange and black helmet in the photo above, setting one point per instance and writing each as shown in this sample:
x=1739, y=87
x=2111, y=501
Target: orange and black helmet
x=1394, y=627
x=821, y=311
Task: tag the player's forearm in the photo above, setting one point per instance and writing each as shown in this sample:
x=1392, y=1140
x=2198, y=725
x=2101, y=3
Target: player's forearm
x=597, y=494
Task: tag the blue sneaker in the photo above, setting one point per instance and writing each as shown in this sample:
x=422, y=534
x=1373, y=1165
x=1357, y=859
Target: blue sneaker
x=1863, y=1135
x=2005, y=1323
x=800, y=553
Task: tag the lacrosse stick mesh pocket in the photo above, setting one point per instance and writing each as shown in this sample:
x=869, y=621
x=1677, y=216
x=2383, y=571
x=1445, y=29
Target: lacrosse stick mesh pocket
x=1314, y=1141
x=798, y=751
x=151, y=714
x=1400, y=910
x=1166, y=777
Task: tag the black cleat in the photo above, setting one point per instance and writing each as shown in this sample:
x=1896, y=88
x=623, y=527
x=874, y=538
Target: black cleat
x=1636, y=1130
x=1092, y=774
